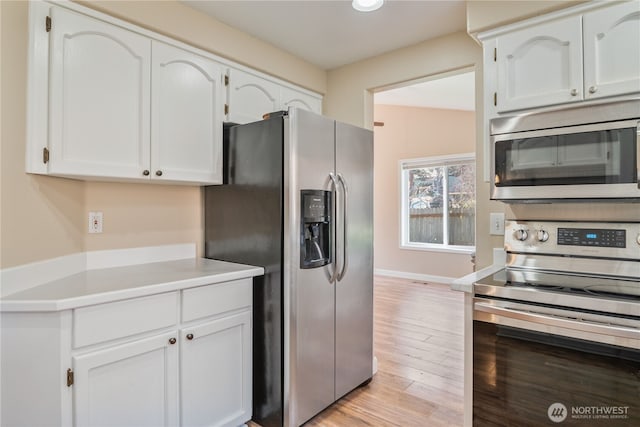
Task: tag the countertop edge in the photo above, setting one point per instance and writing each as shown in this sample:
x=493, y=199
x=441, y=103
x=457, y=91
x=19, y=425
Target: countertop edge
x=53, y=305
x=465, y=283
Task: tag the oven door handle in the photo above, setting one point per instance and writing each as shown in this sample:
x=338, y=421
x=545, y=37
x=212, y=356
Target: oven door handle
x=587, y=327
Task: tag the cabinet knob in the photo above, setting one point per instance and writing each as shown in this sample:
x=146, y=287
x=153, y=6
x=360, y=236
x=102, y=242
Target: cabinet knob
x=574, y=92
x=159, y=172
x=593, y=89
x=189, y=337
x=172, y=340
x=145, y=172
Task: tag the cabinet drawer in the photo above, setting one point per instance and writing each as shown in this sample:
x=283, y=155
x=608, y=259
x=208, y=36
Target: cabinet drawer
x=121, y=319
x=214, y=299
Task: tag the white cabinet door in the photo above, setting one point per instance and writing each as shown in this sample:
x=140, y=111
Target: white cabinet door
x=250, y=97
x=186, y=124
x=215, y=369
x=293, y=98
x=540, y=65
x=134, y=384
x=612, y=50
x=99, y=98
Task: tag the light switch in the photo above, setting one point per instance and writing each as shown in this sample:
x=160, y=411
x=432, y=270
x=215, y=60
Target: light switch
x=496, y=223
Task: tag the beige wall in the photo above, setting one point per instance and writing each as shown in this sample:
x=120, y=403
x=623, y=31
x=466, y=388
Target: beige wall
x=44, y=217
x=349, y=98
x=412, y=132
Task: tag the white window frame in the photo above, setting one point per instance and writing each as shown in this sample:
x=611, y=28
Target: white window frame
x=404, y=166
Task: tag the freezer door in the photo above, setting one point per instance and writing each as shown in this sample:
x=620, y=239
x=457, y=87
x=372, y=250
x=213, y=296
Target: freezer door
x=354, y=237
x=309, y=295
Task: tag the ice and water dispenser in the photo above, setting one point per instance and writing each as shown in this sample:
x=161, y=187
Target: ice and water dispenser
x=315, y=230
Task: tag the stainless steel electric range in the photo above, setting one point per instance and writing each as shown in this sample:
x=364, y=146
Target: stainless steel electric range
x=557, y=331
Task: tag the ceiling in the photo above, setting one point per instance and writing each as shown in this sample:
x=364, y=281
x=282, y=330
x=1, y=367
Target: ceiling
x=454, y=92
x=330, y=33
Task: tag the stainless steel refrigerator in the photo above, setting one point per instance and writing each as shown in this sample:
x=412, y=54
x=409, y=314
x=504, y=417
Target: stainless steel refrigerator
x=298, y=200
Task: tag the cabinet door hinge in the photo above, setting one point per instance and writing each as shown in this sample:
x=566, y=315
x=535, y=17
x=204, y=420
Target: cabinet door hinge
x=69, y=377
x=226, y=80
x=47, y=24
x=495, y=98
x=45, y=155
x=226, y=109
x=495, y=54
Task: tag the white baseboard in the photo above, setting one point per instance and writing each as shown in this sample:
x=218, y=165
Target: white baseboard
x=22, y=277
x=415, y=276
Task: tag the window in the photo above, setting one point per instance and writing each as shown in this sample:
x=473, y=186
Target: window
x=438, y=203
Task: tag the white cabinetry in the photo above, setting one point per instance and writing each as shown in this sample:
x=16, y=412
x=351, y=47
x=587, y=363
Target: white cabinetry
x=612, y=50
x=215, y=369
x=174, y=358
x=186, y=108
x=99, y=98
x=250, y=96
x=122, y=106
x=540, y=65
x=582, y=56
x=133, y=384
x=295, y=98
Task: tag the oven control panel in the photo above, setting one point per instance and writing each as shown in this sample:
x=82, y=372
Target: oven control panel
x=594, y=239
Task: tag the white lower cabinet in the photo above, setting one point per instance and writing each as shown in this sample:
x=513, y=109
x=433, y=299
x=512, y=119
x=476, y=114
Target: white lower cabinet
x=134, y=384
x=215, y=372
x=179, y=358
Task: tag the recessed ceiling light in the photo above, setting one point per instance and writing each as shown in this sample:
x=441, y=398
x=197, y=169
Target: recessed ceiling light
x=367, y=5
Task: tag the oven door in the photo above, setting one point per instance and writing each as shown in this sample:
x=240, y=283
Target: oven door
x=596, y=161
x=535, y=366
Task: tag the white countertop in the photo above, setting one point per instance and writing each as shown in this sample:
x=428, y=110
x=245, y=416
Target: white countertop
x=116, y=283
x=465, y=283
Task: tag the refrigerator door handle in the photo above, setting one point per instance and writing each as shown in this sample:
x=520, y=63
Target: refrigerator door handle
x=333, y=256
x=345, y=222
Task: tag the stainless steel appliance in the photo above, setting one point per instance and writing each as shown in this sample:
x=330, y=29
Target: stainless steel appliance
x=298, y=201
x=557, y=331
x=581, y=153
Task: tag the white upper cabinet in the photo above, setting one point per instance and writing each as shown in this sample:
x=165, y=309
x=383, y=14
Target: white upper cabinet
x=612, y=50
x=108, y=100
x=99, y=98
x=295, y=98
x=250, y=97
x=540, y=65
x=589, y=53
x=186, y=122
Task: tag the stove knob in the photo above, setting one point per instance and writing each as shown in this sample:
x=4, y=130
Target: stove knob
x=542, y=236
x=521, y=234
x=638, y=238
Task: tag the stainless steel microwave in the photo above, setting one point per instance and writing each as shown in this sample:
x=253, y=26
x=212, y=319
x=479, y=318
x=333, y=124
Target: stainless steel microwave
x=572, y=154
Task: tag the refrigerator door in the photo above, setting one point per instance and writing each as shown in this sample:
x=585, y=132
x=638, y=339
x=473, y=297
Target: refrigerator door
x=243, y=223
x=308, y=294
x=354, y=288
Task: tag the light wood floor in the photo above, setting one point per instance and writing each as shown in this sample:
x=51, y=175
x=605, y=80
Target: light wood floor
x=418, y=340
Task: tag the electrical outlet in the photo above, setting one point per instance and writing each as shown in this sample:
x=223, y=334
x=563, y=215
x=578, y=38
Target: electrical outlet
x=95, y=222
x=496, y=223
